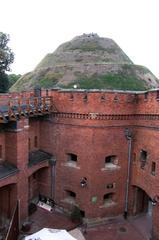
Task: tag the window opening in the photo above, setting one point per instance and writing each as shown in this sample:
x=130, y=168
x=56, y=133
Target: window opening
x=71, y=97
x=70, y=195
x=103, y=98
x=108, y=198
x=111, y=160
x=143, y=158
x=36, y=141
x=111, y=185
x=146, y=95
x=153, y=168
x=85, y=98
x=116, y=99
x=82, y=213
x=72, y=157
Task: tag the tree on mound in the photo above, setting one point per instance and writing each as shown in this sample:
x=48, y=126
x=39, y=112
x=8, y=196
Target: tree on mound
x=6, y=58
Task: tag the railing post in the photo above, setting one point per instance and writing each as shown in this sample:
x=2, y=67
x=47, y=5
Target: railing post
x=19, y=105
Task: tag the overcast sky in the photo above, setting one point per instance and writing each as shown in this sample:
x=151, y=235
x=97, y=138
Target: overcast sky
x=38, y=27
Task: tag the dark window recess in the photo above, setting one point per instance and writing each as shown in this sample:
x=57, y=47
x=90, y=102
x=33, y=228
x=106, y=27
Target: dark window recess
x=85, y=98
x=157, y=94
x=70, y=194
x=143, y=158
x=111, y=159
x=102, y=98
x=108, y=198
x=153, y=168
x=71, y=97
x=0, y=151
x=146, y=95
x=36, y=141
x=116, y=99
x=82, y=213
x=72, y=157
x=111, y=185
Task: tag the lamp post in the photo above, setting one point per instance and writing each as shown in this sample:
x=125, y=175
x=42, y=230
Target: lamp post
x=128, y=135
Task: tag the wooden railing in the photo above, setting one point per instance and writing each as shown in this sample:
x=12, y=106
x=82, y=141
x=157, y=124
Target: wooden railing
x=13, y=108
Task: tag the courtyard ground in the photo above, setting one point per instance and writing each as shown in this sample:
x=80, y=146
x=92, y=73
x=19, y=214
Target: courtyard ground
x=119, y=229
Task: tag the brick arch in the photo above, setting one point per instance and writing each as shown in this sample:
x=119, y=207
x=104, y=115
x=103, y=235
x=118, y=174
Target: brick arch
x=8, y=200
x=39, y=183
x=6, y=183
x=141, y=200
x=37, y=168
x=143, y=188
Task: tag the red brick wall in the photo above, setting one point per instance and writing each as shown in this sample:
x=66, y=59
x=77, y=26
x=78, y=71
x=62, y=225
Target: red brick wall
x=34, y=132
x=91, y=138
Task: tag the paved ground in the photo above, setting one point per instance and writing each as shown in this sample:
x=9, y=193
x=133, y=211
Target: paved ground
x=120, y=229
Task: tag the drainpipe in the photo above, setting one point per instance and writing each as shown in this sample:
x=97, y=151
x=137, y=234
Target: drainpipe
x=53, y=174
x=128, y=135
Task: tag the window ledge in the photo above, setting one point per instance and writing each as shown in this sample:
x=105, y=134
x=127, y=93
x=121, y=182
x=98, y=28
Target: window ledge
x=70, y=164
x=153, y=174
x=69, y=200
x=110, y=167
x=108, y=204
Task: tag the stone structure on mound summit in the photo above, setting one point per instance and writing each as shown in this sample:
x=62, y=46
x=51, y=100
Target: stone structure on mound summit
x=90, y=62
x=95, y=149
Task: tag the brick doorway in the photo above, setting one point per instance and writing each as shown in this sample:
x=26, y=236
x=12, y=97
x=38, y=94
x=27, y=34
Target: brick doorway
x=8, y=198
x=39, y=183
x=142, y=203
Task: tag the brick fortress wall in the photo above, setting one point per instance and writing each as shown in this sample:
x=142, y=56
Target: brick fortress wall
x=86, y=136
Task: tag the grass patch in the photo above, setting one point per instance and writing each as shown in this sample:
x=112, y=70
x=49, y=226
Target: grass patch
x=109, y=81
x=50, y=80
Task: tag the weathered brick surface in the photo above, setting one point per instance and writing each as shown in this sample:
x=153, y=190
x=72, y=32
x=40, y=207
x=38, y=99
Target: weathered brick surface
x=93, y=130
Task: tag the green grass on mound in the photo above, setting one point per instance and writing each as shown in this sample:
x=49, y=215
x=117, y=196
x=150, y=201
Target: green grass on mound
x=109, y=81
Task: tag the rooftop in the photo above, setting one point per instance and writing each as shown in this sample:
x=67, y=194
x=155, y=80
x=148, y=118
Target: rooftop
x=38, y=156
x=7, y=169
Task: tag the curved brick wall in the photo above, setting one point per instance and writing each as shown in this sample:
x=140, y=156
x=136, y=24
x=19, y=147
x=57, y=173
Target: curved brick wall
x=91, y=126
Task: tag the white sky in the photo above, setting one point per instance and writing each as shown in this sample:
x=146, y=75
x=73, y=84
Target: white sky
x=38, y=27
